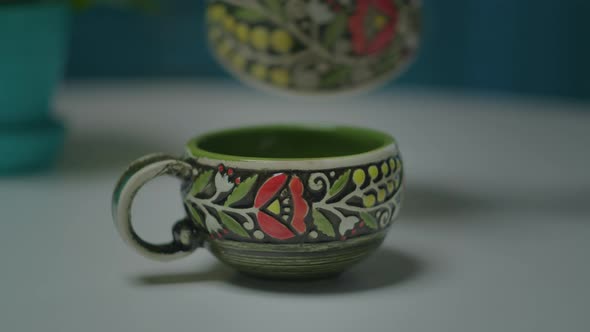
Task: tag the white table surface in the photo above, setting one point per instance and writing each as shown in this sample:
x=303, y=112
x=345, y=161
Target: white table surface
x=495, y=234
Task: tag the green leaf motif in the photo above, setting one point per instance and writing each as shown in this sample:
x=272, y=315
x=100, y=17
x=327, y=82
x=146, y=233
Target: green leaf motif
x=201, y=182
x=241, y=190
x=232, y=224
x=336, y=76
x=195, y=215
x=335, y=30
x=369, y=220
x=339, y=184
x=322, y=223
x=275, y=6
x=249, y=15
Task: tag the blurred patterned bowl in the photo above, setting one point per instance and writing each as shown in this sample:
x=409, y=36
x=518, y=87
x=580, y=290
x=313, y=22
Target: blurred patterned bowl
x=314, y=46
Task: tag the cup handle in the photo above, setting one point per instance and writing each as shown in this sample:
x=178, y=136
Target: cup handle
x=186, y=238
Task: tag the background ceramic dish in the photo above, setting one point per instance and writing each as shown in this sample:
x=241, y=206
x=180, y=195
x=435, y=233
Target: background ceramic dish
x=311, y=46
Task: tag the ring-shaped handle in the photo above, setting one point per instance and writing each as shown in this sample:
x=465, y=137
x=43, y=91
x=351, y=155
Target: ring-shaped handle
x=186, y=239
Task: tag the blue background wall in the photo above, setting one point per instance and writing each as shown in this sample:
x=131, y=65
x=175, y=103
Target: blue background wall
x=539, y=47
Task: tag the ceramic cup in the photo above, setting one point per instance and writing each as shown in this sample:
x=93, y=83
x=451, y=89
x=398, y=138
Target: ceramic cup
x=275, y=201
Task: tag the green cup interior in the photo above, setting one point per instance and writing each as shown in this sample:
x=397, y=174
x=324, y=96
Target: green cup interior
x=287, y=142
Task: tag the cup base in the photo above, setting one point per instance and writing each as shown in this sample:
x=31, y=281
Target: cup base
x=295, y=261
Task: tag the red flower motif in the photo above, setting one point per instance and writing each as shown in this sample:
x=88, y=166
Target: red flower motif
x=370, y=34
x=282, y=209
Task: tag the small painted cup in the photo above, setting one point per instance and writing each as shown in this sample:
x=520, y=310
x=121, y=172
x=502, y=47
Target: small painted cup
x=276, y=201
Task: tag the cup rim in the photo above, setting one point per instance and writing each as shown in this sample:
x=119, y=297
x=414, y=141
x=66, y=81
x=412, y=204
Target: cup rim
x=386, y=148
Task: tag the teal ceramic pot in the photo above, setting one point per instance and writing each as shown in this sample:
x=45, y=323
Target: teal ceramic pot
x=33, y=44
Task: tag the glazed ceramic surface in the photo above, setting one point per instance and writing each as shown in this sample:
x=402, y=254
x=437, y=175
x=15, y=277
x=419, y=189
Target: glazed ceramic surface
x=277, y=201
x=314, y=46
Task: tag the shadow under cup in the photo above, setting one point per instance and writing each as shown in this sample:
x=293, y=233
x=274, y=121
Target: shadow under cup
x=289, y=202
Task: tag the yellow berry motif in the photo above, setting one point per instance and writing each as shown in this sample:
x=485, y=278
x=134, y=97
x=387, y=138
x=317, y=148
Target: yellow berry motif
x=259, y=71
x=358, y=177
x=224, y=48
x=373, y=172
x=384, y=168
x=238, y=61
x=216, y=13
x=390, y=186
x=369, y=200
x=229, y=23
x=242, y=32
x=259, y=38
x=279, y=76
x=281, y=41
x=381, y=195
x=392, y=164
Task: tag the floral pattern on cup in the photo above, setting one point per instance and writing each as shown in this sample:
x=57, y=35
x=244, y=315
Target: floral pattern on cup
x=282, y=209
x=314, y=46
x=295, y=206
